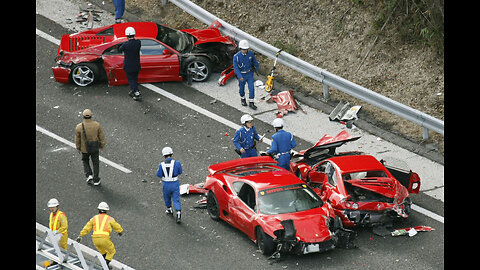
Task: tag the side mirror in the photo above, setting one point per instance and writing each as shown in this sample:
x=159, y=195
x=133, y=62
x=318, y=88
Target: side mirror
x=167, y=52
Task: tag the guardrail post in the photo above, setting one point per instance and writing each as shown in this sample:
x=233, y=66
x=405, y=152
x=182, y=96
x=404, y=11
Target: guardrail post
x=326, y=91
x=425, y=133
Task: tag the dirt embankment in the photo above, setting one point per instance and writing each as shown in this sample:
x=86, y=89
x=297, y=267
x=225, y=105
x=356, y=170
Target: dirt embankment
x=336, y=35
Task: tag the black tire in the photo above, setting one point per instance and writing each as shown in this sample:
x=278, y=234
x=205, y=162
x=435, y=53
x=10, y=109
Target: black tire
x=213, y=208
x=264, y=242
x=84, y=74
x=199, y=68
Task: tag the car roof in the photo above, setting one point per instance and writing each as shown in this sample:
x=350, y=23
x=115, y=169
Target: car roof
x=355, y=163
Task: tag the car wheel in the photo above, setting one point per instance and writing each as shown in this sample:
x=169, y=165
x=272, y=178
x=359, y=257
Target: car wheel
x=264, y=242
x=199, y=68
x=84, y=74
x=213, y=208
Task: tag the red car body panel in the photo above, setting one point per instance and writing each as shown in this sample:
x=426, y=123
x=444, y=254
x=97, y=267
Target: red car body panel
x=311, y=225
x=373, y=195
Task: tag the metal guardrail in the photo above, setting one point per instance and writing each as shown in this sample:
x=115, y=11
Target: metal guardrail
x=326, y=78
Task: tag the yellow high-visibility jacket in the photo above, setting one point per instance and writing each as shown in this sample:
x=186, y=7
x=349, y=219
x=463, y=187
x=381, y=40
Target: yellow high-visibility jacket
x=102, y=225
x=58, y=222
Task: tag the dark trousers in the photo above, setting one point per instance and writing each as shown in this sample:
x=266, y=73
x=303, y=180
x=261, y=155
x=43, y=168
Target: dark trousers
x=96, y=165
x=132, y=77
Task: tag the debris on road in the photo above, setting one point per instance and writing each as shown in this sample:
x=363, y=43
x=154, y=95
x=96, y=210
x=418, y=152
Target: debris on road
x=345, y=113
x=191, y=189
x=285, y=103
x=412, y=230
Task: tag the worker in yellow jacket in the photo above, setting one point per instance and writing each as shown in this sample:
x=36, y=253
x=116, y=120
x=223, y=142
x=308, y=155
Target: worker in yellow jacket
x=102, y=225
x=58, y=222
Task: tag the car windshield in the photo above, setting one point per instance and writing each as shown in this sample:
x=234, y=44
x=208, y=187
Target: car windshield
x=180, y=41
x=287, y=199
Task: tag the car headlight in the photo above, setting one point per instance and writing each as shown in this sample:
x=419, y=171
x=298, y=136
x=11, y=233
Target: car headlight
x=355, y=206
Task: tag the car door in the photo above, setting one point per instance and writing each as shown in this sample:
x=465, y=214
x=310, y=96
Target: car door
x=243, y=207
x=159, y=63
x=113, y=64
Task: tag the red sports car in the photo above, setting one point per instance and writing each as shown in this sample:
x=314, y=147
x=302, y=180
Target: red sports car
x=361, y=189
x=166, y=54
x=272, y=206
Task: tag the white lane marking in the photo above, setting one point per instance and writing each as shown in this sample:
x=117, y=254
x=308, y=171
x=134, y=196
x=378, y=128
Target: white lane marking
x=221, y=120
x=197, y=108
x=102, y=159
x=47, y=36
x=427, y=213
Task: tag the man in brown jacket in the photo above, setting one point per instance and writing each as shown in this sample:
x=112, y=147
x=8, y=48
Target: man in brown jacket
x=93, y=132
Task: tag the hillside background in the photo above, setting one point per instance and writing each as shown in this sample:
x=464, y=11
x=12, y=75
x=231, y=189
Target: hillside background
x=393, y=47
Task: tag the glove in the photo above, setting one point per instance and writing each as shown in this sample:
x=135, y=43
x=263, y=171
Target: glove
x=78, y=239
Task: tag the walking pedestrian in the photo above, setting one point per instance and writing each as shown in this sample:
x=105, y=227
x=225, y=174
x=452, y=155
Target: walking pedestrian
x=58, y=222
x=119, y=10
x=244, y=63
x=169, y=170
x=86, y=132
x=131, y=61
x=282, y=143
x=102, y=225
x=244, y=138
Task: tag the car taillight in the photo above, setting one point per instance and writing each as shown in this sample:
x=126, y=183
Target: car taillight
x=415, y=182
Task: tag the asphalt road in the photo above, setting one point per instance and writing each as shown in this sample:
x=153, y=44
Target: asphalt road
x=135, y=134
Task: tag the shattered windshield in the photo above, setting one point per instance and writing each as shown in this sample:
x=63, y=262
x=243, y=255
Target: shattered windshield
x=180, y=41
x=287, y=199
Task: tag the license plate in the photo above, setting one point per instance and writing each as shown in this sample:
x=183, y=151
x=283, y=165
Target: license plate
x=311, y=248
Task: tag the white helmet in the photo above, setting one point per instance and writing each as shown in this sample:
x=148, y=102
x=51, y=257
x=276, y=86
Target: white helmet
x=52, y=202
x=277, y=122
x=130, y=31
x=167, y=151
x=246, y=118
x=243, y=44
x=103, y=206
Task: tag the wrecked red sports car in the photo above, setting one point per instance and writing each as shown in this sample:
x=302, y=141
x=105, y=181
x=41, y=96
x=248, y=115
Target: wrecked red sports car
x=272, y=206
x=166, y=54
x=361, y=189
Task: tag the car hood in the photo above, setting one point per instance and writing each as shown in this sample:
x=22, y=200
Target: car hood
x=327, y=142
x=387, y=187
x=208, y=35
x=310, y=225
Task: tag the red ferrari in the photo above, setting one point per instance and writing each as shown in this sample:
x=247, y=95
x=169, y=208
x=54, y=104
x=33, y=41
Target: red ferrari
x=272, y=206
x=166, y=54
x=361, y=189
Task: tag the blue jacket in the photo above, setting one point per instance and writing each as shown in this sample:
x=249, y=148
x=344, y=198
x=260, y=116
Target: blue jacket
x=177, y=168
x=244, y=63
x=245, y=139
x=282, y=142
x=131, y=50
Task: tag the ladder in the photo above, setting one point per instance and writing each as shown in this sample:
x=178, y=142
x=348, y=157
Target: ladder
x=77, y=257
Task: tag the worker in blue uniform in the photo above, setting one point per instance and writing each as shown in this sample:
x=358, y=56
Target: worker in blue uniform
x=282, y=143
x=244, y=62
x=169, y=170
x=244, y=139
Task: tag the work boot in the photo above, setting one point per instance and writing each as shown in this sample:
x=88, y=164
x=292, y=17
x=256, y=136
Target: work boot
x=252, y=105
x=137, y=96
x=89, y=179
x=178, y=217
x=244, y=101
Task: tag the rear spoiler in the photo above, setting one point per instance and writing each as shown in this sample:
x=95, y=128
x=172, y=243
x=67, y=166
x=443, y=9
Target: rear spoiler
x=241, y=162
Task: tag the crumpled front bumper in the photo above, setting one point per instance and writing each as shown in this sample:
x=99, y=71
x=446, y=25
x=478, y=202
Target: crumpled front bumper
x=61, y=73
